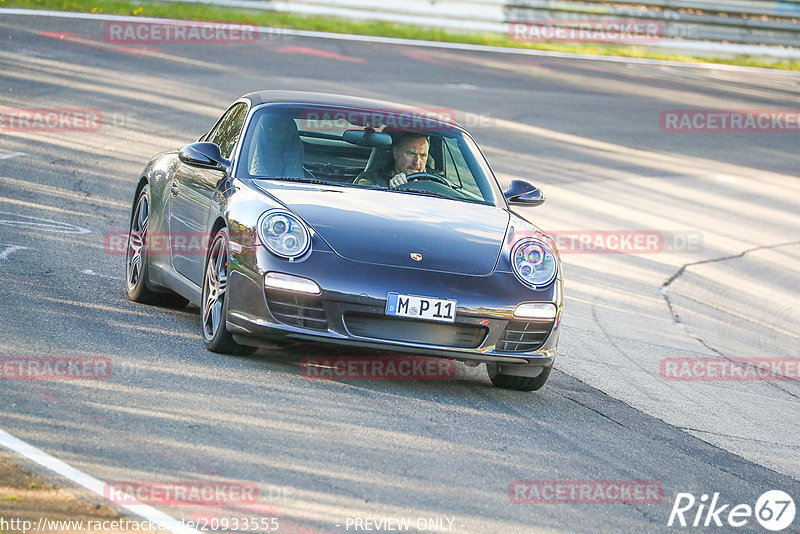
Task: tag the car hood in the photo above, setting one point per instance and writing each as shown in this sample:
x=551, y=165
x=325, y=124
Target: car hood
x=386, y=228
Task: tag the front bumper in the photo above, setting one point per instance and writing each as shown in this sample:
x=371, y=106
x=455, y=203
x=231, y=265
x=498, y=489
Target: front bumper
x=351, y=310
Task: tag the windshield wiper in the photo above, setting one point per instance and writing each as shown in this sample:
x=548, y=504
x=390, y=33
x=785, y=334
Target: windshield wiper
x=424, y=192
x=301, y=180
x=438, y=195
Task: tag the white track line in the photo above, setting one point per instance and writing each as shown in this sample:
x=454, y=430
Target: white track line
x=8, y=250
x=410, y=42
x=12, y=155
x=92, y=484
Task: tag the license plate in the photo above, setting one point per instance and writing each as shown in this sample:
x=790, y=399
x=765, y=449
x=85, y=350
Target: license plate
x=421, y=307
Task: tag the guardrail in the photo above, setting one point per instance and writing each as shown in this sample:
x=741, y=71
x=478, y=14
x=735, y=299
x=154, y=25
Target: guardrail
x=751, y=22
x=744, y=22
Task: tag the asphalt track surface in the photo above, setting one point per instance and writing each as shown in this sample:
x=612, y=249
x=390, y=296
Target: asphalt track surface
x=321, y=452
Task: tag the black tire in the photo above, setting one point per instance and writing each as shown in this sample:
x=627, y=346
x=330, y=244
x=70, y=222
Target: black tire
x=520, y=383
x=136, y=258
x=214, y=304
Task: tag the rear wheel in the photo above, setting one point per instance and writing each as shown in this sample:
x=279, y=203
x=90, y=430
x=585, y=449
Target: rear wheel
x=214, y=304
x=136, y=258
x=516, y=382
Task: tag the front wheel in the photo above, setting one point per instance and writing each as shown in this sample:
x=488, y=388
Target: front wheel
x=214, y=305
x=516, y=382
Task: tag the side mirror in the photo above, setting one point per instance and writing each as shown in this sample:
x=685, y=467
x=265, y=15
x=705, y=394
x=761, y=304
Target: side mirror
x=521, y=192
x=205, y=156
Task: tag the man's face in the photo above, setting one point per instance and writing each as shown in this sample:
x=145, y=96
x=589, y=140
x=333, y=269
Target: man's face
x=411, y=155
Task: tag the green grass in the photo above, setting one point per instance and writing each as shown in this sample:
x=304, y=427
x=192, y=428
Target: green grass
x=192, y=11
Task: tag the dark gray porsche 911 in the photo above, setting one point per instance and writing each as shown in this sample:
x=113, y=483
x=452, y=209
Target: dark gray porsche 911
x=323, y=218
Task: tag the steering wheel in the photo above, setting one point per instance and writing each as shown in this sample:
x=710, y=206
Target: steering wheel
x=427, y=176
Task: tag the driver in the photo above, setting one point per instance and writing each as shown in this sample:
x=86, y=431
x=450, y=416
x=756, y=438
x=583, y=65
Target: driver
x=410, y=153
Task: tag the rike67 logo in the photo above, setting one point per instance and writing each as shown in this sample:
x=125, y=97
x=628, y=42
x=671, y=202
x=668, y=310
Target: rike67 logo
x=774, y=510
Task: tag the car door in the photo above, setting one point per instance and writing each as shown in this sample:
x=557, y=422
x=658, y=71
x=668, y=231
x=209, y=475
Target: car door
x=191, y=197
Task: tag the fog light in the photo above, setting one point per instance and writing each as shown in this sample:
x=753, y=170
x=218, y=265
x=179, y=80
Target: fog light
x=535, y=310
x=287, y=282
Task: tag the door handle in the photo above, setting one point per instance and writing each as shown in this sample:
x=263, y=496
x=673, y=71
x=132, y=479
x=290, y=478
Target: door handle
x=175, y=188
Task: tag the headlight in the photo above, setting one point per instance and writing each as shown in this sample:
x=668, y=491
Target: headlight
x=534, y=262
x=284, y=234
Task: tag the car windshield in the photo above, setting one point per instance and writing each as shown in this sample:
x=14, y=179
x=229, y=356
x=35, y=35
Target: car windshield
x=365, y=148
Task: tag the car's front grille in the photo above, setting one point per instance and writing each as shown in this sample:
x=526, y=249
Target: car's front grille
x=523, y=336
x=415, y=331
x=297, y=310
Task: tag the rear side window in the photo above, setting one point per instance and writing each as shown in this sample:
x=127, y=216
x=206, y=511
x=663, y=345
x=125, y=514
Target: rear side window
x=226, y=132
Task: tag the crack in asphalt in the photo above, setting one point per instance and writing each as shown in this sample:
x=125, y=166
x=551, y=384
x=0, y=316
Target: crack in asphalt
x=591, y=409
x=676, y=318
x=724, y=258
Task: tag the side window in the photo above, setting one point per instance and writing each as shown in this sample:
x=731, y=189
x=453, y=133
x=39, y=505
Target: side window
x=227, y=130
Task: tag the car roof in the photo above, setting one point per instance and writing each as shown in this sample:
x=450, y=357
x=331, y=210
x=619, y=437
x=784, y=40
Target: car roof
x=328, y=99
